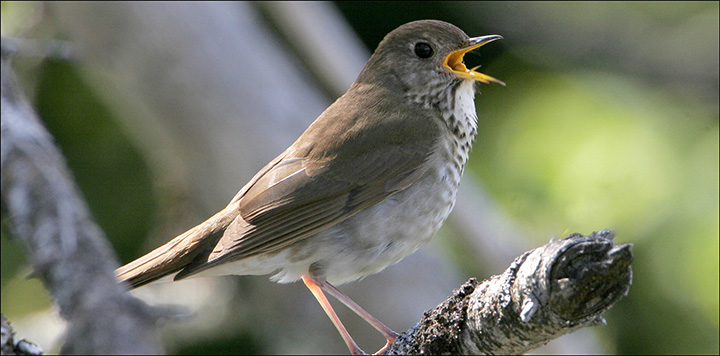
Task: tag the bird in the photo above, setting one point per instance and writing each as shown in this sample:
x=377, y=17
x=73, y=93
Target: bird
x=366, y=184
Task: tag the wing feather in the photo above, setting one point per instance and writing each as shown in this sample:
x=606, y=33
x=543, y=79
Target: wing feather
x=317, y=182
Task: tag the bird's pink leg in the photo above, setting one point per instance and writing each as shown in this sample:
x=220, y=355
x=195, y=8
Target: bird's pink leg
x=390, y=335
x=325, y=304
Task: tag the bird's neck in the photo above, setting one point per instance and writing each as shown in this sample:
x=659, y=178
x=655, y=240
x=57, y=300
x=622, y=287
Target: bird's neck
x=455, y=104
x=458, y=121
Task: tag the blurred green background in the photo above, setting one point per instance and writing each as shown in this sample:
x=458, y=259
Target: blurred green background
x=609, y=120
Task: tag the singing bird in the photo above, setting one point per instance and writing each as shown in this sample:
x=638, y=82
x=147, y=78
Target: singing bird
x=370, y=181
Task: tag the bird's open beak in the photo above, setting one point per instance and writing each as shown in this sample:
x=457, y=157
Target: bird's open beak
x=454, y=61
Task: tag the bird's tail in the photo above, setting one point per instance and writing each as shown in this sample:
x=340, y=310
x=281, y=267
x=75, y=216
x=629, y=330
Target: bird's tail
x=170, y=258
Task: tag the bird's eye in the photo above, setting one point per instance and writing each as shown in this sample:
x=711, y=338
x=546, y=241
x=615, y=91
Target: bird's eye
x=423, y=50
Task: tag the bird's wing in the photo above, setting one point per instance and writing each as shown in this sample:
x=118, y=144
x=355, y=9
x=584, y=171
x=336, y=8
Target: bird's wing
x=319, y=182
x=309, y=198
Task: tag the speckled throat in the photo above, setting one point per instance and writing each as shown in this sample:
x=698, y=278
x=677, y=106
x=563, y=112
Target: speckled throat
x=454, y=100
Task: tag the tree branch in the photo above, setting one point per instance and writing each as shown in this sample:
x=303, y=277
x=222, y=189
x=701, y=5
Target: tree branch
x=12, y=345
x=546, y=293
x=67, y=249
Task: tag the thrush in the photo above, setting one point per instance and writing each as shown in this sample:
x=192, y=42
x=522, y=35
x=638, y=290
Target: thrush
x=370, y=181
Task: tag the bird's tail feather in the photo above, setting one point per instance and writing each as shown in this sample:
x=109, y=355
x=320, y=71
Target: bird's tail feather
x=176, y=254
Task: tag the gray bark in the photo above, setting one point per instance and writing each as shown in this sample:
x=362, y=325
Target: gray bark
x=12, y=345
x=66, y=248
x=546, y=293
